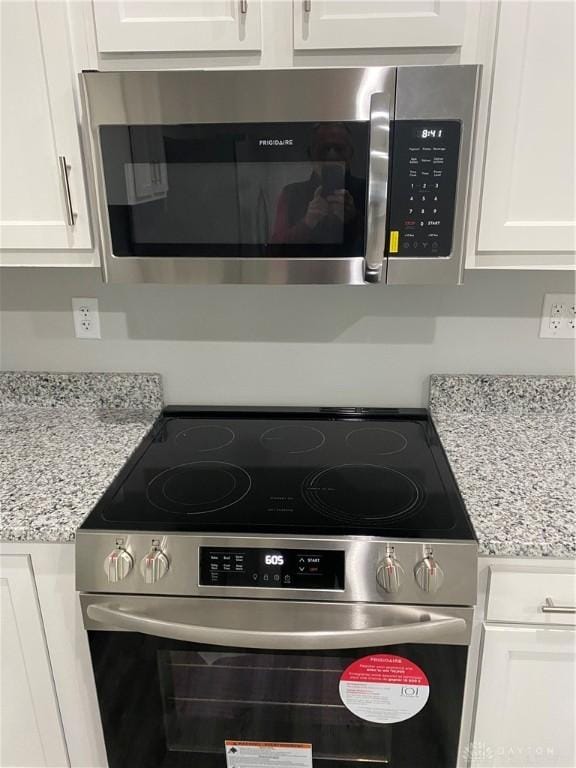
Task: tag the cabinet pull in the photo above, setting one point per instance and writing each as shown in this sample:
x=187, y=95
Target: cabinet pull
x=70, y=216
x=550, y=607
x=243, y=6
x=307, y=6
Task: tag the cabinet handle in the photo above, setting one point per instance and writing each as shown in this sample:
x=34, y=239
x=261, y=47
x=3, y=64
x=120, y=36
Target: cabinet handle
x=549, y=607
x=70, y=216
x=307, y=6
x=243, y=6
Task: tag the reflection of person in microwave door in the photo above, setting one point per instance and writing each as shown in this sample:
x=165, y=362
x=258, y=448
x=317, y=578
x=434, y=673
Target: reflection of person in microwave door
x=327, y=208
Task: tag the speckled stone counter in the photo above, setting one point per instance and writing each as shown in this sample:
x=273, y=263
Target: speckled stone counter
x=63, y=439
x=511, y=443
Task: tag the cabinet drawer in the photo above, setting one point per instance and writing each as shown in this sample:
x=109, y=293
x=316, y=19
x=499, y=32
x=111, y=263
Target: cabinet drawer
x=519, y=595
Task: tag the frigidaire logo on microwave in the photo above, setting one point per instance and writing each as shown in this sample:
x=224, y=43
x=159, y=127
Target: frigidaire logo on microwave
x=276, y=142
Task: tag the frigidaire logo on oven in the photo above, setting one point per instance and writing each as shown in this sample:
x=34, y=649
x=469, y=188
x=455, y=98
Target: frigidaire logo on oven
x=276, y=142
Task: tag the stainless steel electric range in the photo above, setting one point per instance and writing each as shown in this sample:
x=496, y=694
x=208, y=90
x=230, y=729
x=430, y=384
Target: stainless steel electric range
x=288, y=585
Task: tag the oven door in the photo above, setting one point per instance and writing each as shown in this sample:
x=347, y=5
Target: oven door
x=178, y=678
x=241, y=177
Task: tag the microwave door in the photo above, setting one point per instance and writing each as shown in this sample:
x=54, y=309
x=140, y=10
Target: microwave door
x=381, y=106
x=216, y=190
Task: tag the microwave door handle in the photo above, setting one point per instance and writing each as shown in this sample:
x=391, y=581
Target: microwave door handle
x=422, y=627
x=378, y=163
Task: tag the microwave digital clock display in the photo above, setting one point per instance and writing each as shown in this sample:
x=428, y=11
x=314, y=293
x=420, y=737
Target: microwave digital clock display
x=428, y=133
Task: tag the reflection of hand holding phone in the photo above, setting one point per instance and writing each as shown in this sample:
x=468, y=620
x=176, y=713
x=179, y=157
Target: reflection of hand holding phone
x=318, y=209
x=333, y=177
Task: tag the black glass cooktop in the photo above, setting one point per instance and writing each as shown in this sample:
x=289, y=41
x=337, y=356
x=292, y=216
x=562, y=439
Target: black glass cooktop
x=288, y=472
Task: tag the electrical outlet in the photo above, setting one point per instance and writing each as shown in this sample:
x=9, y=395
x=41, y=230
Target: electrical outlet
x=558, y=316
x=86, y=318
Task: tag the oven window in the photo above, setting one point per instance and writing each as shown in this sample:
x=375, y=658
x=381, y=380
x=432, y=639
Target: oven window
x=210, y=697
x=238, y=190
x=167, y=704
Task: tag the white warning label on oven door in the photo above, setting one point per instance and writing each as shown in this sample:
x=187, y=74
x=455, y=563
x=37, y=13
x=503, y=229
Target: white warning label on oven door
x=267, y=754
x=384, y=688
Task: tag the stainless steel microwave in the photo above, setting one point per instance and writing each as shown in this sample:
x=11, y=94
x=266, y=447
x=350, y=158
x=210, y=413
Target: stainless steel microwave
x=302, y=176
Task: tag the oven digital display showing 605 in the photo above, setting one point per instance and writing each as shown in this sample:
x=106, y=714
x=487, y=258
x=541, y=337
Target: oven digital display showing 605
x=271, y=568
x=273, y=559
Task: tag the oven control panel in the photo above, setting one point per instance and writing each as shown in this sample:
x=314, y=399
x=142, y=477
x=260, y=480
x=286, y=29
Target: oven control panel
x=423, y=187
x=271, y=568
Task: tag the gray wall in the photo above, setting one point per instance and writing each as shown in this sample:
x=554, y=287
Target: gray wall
x=312, y=345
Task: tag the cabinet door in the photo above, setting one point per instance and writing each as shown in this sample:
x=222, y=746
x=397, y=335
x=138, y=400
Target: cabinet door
x=378, y=23
x=528, y=199
x=525, y=710
x=44, y=204
x=177, y=25
x=31, y=728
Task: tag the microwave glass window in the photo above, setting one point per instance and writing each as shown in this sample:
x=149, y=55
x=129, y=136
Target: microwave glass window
x=236, y=190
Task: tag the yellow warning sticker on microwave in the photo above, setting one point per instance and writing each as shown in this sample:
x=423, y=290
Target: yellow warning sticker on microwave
x=394, y=241
x=267, y=754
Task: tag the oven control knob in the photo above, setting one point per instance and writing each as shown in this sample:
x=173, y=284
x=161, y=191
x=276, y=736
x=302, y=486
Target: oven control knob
x=389, y=574
x=154, y=566
x=118, y=565
x=429, y=575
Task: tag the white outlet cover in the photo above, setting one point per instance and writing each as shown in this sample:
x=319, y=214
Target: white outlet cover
x=86, y=318
x=558, y=315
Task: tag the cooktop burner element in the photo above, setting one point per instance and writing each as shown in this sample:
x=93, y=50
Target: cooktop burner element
x=287, y=472
x=376, y=440
x=205, y=438
x=362, y=493
x=198, y=488
x=292, y=439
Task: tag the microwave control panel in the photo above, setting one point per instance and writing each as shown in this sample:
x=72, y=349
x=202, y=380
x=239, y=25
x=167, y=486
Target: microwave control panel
x=423, y=187
x=271, y=568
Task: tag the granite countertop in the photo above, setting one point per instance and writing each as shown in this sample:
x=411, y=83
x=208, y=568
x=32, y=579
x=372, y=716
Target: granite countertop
x=64, y=438
x=511, y=444
x=510, y=441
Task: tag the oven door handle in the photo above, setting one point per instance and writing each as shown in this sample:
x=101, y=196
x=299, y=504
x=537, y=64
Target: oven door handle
x=381, y=106
x=421, y=626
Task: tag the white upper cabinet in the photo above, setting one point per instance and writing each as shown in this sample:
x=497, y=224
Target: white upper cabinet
x=528, y=202
x=42, y=191
x=378, y=23
x=154, y=26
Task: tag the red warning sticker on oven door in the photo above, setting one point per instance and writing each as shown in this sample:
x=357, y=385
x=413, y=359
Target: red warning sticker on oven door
x=384, y=688
x=267, y=754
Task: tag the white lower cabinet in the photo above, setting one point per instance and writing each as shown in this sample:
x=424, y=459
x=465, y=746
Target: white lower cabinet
x=525, y=715
x=30, y=719
x=49, y=712
x=526, y=695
